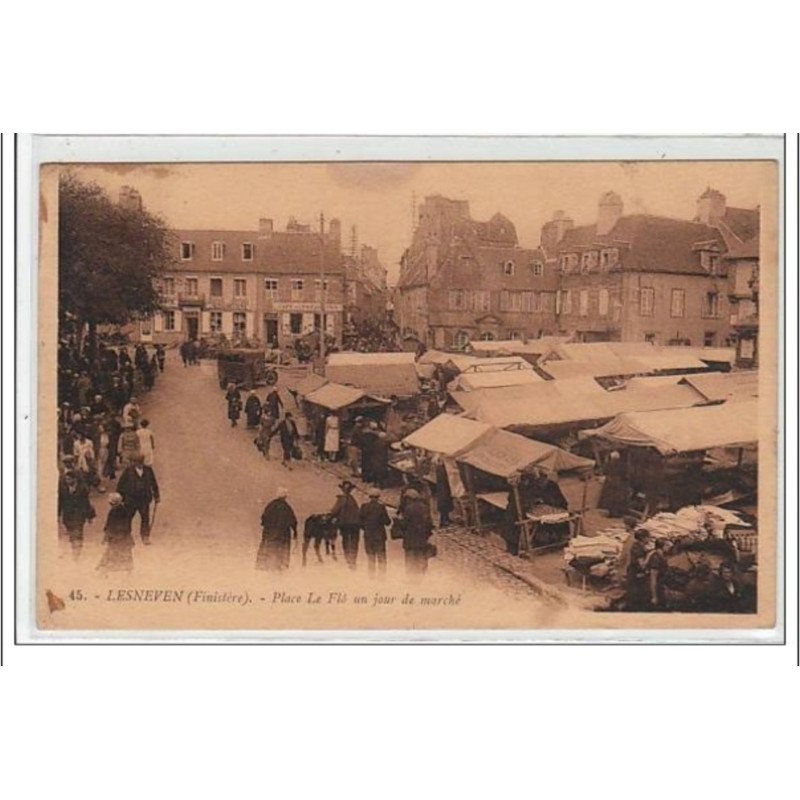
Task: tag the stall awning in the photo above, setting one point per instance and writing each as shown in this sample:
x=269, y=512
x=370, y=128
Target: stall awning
x=473, y=381
x=335, y=396
x=504, y=454
x=599, y=368
x=383, y=374
x=685, y=429
x=567, y=401
x=311, y=382
x=447, y=434
x=734, y=387
x=434, y=357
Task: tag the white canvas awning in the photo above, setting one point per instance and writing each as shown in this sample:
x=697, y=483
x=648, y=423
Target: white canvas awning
x=335, y=396
x=447, y=434
x=683, y=430
x=504, y=454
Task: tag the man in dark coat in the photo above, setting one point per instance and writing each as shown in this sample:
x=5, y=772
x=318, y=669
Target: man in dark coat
x=444, y=497
x=278, y=524
x=74, y=508
x=379, y=458
x=345, y=513
x=185, y=351
x=289, y=436
x=139, y=488
x=374, y=518
x=417, y=529
x=161, y=356
x=369, y=438
x=274, y=403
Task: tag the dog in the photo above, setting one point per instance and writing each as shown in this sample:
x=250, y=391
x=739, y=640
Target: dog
x=319, y=528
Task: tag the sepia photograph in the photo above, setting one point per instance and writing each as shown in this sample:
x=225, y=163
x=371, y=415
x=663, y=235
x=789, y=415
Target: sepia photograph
x=407, y=396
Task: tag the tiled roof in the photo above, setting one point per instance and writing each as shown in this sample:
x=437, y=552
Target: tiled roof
x=280, y=253
x=744, y=222
x=653, y=244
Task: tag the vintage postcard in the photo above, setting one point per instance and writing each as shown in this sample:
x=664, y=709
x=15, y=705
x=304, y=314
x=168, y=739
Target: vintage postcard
x=497, y=395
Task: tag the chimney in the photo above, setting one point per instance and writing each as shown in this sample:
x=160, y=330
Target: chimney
x=130, y=199
x=609, y=210
x=265, y=228
x=335, y=232
x=711, y=207
x=553, y=231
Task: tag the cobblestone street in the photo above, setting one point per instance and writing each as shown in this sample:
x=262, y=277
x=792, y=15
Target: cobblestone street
x=214, y=485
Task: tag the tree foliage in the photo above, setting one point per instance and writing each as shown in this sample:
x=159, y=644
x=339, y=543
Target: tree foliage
x=109, y=256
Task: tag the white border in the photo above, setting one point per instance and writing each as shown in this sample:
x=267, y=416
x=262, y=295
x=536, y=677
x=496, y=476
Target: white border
x=36, y=150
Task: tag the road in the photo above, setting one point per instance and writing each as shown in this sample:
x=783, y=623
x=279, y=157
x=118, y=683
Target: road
x=214, y=485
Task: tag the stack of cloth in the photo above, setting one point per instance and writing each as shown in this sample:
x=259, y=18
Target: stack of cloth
x=599, y=555
x=692, y=521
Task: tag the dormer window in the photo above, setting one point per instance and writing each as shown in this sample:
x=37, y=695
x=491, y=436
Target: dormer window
x=217, y=251
x=608, y=258
x=508, y=268
x=710, y=262
x=187, y=251
x=538, y=268
x=247, y=251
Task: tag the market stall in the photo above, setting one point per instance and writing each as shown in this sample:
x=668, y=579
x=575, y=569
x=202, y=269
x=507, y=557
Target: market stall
x=704, y=453
x=347, y=402
x=502, y=469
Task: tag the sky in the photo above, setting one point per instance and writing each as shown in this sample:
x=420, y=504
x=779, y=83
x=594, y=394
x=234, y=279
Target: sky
x=377, y=197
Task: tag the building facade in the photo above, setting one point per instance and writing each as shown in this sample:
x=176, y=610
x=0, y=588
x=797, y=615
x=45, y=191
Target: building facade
x=646, y=278
x=462, y=279
x=261, y=287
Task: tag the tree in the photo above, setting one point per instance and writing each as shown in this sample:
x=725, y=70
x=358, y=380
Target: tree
x=110, y=257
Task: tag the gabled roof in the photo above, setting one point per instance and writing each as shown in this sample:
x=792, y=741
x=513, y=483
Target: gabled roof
x=649, y=243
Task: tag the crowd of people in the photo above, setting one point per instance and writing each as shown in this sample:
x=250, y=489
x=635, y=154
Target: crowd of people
x=101, y=431
x=649, y=582
x=369, y=335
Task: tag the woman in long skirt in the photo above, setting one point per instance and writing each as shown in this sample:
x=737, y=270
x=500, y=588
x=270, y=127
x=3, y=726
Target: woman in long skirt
x=278, y=524
x=118, y=540
x=252, y=409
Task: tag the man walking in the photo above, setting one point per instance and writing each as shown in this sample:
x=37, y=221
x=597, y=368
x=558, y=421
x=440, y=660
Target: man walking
x=374, y=518
x=345, y=513
x=138, y=487
x=416, y=532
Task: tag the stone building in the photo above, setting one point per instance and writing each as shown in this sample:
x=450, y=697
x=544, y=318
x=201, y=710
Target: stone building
x=261, y=285
x=462, y=279
x=640, y=277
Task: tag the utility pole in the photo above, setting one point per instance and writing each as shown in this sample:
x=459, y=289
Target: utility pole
x=322, y=287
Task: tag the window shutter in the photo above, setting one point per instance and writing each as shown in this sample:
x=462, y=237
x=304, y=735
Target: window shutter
x=330, y=324
x=227, y=322
x=205, y=322
x=178, y=320
x=603, y=302
x=158, y=322
x=308, y=323
x=250, y=324
x=286, y=327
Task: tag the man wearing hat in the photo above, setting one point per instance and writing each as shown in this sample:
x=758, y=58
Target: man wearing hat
x=74, y=508
x=345, y=514
x=374, y=518
x=138, y=487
